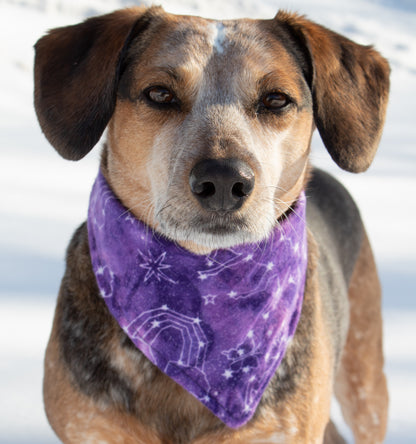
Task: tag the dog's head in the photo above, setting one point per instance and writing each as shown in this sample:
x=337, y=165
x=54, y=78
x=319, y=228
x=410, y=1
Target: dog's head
x=209, y=123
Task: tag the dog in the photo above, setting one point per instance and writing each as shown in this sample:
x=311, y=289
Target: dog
x=209, y=127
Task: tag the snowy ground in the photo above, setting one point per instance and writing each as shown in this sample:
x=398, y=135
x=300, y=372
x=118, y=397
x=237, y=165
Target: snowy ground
x=43, y=197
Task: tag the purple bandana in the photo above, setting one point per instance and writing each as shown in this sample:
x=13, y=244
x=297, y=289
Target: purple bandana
x=217, y=324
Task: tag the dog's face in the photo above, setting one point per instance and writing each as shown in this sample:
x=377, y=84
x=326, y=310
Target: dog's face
x=209, y=123
x=210, y=134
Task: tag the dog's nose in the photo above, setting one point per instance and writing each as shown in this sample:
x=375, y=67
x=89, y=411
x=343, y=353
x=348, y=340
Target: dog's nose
x=221, y=184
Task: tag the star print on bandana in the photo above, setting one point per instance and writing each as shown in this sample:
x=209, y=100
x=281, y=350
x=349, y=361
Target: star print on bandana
x=218, y=324
x=209, y=299
x=155, y=267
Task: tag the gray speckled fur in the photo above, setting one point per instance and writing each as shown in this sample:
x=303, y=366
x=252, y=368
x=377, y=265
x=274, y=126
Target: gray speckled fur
x=335, y=222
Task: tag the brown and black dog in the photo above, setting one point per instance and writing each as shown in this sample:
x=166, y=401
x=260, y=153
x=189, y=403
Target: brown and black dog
x=173, y=90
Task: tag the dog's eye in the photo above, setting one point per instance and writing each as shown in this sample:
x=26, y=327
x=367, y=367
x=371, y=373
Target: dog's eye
x=160, y=95
x=275, y=101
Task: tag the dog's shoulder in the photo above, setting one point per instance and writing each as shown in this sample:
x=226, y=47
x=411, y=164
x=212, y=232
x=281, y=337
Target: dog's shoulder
x=86, y=329
x=335, y=221
x=78, y=261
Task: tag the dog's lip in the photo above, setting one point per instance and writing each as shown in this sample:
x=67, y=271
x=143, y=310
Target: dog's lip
x=220, y=223
x=218, y=229
x=220, y=213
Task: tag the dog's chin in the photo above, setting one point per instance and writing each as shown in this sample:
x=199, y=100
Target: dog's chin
x=215, y=234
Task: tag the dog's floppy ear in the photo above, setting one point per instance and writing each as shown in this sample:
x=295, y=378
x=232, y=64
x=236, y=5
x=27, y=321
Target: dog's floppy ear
x=76, y=75
x=350, y=85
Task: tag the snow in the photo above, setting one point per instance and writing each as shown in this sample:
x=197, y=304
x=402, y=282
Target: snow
x=44, y=198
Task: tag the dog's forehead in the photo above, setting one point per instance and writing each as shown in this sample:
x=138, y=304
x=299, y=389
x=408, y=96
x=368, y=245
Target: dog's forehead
x=187, y=38
x=217, y=36
x=230, y=59
x=196, y=30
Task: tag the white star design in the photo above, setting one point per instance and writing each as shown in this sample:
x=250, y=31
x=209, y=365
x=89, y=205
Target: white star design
x=228, y=374
x=246, y=369
x=248, y=258
x=155, y=267
x=232, y=294
x=155, y=324
x=202, y=277
x=270, y=266
x=196, y=321
x=209, y=299
x=266, y=316
x=250, y=334
x=201, y=344
x=291, y=280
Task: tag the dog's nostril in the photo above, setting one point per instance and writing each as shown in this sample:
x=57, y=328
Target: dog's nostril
x=238, y=190
x=206, y=189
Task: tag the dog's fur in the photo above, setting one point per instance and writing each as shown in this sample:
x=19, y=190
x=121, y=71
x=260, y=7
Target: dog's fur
x=98, y=387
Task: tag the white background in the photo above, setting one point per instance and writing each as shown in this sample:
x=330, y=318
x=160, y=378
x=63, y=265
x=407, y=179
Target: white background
x=43, y=198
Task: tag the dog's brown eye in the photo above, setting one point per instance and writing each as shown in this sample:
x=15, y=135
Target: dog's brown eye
x=160, y=95
x=275, y=100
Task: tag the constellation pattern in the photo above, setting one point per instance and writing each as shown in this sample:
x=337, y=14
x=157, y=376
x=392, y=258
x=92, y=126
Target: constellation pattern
x=217, y=324
x=155, y=267
x=215, y=266
x=191, y=344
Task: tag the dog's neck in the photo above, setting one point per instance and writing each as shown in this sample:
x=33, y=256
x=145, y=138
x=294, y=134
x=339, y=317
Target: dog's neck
x=217, y=324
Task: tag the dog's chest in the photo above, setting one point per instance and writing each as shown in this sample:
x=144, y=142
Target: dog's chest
x=177, y=417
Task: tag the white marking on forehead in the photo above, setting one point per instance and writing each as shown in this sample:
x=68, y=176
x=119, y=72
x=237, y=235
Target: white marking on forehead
x=276, y=438
x=219, y=36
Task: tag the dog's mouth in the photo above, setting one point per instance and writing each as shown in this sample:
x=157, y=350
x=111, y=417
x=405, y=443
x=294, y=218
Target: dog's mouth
x=215, y=231
x=222, y=224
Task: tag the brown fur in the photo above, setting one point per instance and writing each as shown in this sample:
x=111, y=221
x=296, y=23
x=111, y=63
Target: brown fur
x=361, y=384
x=98, y=387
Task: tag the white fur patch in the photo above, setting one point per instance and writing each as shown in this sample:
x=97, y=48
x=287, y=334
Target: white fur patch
x=219, y=37
x=276, y=438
